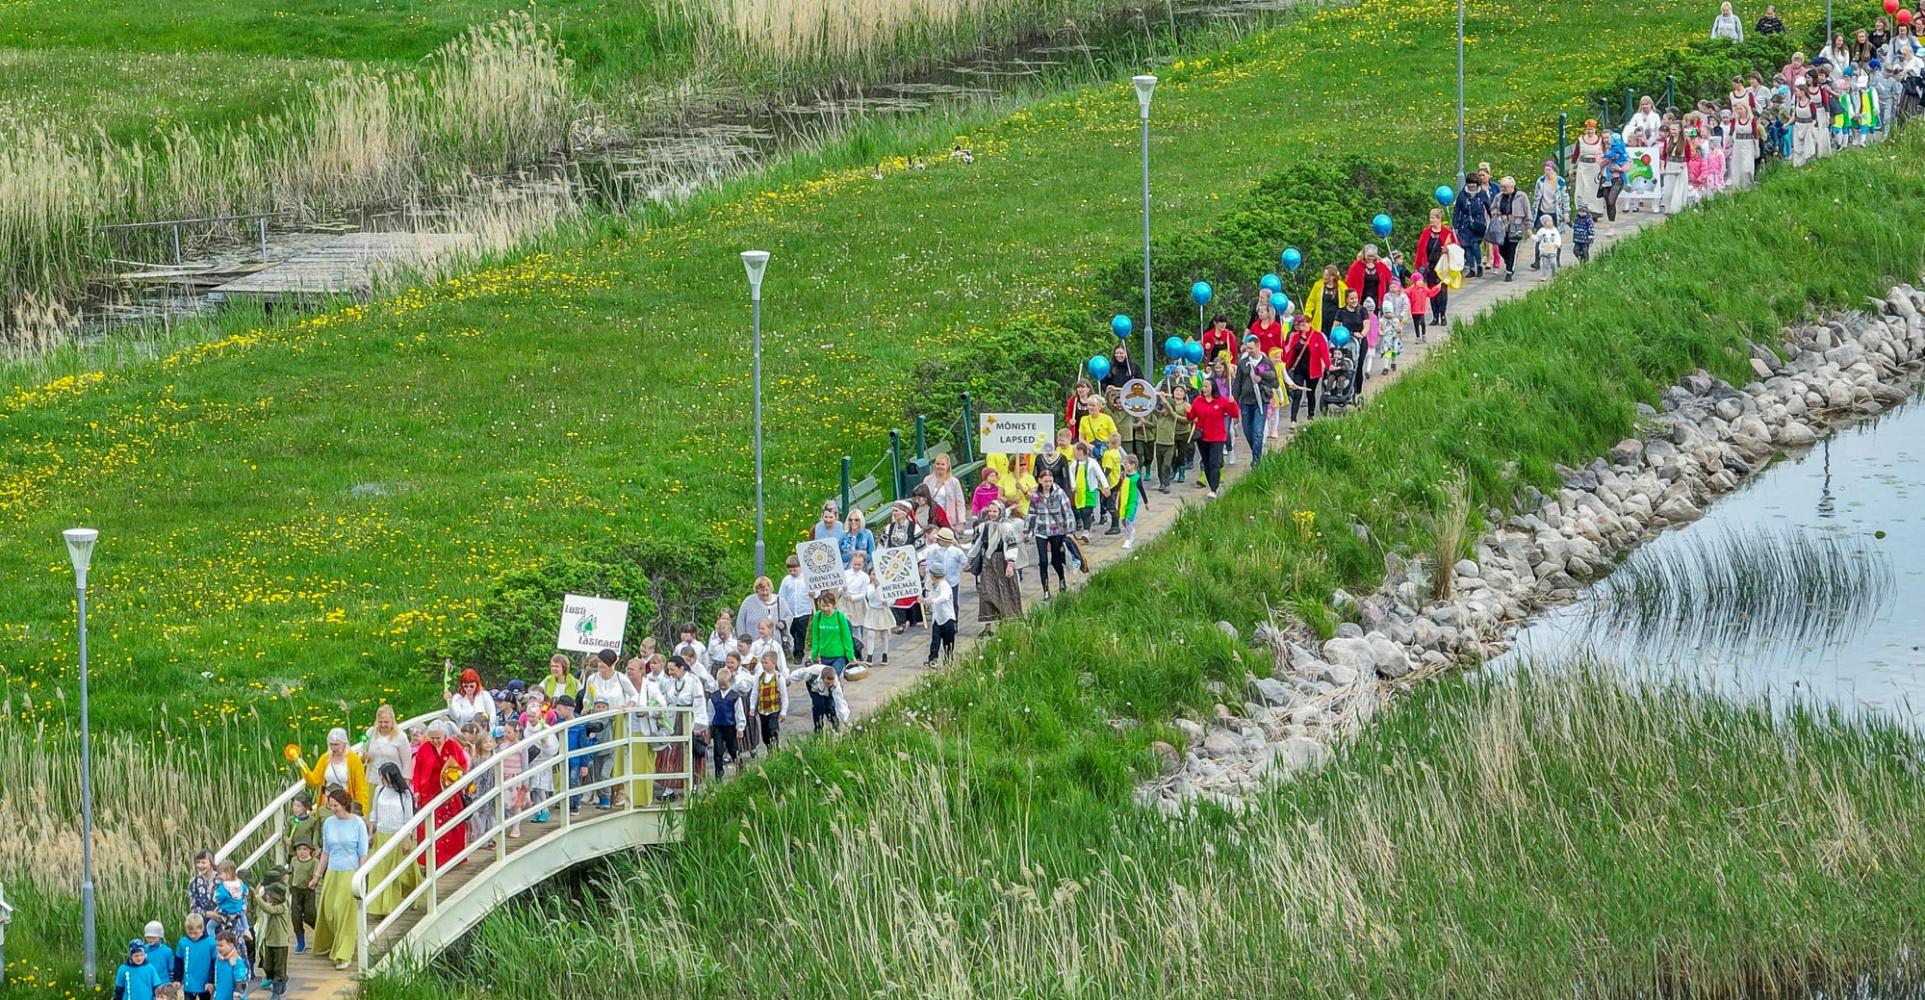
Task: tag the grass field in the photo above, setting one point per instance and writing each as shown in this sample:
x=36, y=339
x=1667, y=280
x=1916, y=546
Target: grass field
x=1566, y=835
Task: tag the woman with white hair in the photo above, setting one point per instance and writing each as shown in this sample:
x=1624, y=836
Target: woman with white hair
x=340, y=768
x=440, y=763
x=1510, y=222
x=1727, y=25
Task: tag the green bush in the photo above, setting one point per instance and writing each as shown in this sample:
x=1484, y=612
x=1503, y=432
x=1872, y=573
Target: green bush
x=515, y=632
x=1698, y=70
x=1323, y=207
x=685, y=581
x=1023, y=367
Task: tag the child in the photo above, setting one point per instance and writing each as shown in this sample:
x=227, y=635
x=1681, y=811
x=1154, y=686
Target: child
x=307, y=823
x=725, y=701
x=1112, y=468
x=194, y=958
x=135, y=979
x=1417, y=295
x=826, y=703
x=230, y=896
x=159, y=955
x=1129, y=498
x=1087, y=487
x=230, y=970
x=513, y=767
x=941, y=598
x=771, y=697
x=304, y=903
x=276, y=932
x=1373, y=332
x=1549, y=244
x=1583, y=231
x=482, y=822
x=577, y=738
x=1393, y=345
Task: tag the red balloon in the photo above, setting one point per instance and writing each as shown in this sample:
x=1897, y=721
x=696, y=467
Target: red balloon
x=1891, y=6
x=1904, y=17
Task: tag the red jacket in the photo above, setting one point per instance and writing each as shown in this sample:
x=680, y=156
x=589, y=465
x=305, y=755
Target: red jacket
x=1216, y=342
x=1073, y=414
x=1269, y=335
x=1355, y=279
x=1209, y=416
x=1419, y=260
x=1318, y=346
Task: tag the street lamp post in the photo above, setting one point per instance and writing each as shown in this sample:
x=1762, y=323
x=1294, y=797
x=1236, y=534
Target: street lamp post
x=80, y=546
x=1460, y=93
x=1145, y=85
x=755, y=262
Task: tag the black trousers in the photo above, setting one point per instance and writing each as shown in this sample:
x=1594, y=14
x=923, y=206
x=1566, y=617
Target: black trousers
x=274, y=963
x=1051, y=550
x=942, y=640
x=1307, y=395
x=1212, y=463
x=798, y=636
x=1611, y=201
x=1509, y=249
x=1439, y=295
x=771, y=725
x=822, y=711
x=726, y=746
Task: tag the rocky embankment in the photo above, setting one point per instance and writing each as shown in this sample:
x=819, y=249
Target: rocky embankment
x=1707, y=438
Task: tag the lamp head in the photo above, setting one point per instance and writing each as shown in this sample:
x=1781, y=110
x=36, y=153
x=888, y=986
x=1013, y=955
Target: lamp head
x=80, y=547
x=1145, y=84
x=755, y=262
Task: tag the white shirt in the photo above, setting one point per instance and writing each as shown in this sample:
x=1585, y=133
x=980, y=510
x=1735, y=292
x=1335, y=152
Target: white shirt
x=855, y=586
x=615, y=689
x=390, y=810
x=1646, y=122
x=942, y=601
x=1547, y=238
x=793, y=598
x=811, y=675
x=760, y=646
x=379, y=750
x=463, y=709
x=719, y=647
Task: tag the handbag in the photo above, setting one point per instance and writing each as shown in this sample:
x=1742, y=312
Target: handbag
x=976, y=555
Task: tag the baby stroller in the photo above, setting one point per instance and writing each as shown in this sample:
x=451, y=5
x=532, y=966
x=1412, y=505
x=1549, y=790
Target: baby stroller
x=1339, y=386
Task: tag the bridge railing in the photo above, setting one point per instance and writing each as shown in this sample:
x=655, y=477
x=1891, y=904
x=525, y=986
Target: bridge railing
x=268, y=830
x=630, y=741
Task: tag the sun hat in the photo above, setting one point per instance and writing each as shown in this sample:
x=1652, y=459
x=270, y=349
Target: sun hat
x=945, y=535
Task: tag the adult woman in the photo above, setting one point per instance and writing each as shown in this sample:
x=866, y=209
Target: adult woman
x=1306, y=356
x=1510, y=222
x=1727, y=25
x=647, y=717
x=1793, y=71
x=998, y=548
x=856, y=537
x=1590, y=165
x=1212, y=413
x=760, y=606
x=1838, y=53
x=344, y=842
x=1219, y=339
x=1122, y=369
x=902, y=530
x=1617, y=169
x=606, y=684
x=1673, y=183
x=1547, y=198
x=1432, y=259
x=386, y=744
x=340, y=768
x=947, y=492
x=1326, y=296
x=388, y=816
x=1266, y=327
x=560, y=680
x=468, y=702
x=1469, y=217
x=1746, y=140
x=1640, y=129
x=680, y=690
x=441, y=763
x=1806, y=129
x=830, y=526
x=1075, y=408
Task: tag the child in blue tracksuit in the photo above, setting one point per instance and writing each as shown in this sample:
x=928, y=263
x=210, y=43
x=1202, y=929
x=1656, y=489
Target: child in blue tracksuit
x=159, y=955
x=135, y=979
x=579, y=739
x=194, y=959
x=230, y=969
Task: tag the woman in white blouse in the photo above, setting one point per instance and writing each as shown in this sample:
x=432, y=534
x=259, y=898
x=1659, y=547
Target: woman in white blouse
x=607, y=684
x=386, y=744
x=388, y=817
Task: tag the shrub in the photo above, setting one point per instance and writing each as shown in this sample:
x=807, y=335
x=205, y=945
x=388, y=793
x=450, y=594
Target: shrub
x=518, y=619
x=1025, y=366
x=1322, y=207
x=1847, y=16
x=684, y=580
x=1698, y=70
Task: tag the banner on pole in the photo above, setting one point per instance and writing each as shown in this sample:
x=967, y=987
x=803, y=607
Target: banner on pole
x=1014, y=433
x=821, y=564
x=896, y=576
x=591, y=624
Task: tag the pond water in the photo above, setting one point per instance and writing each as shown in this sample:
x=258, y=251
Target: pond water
x=1844, y=626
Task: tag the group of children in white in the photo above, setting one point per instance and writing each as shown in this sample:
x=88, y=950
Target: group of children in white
x=735, y=684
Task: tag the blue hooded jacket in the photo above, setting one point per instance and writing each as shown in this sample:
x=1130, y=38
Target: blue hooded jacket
x=194, y=963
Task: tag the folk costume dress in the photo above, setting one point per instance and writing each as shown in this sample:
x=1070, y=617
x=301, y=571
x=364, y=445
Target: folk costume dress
x=435, y=771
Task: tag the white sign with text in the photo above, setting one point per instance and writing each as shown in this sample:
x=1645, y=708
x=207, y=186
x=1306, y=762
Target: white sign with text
x=591, y=624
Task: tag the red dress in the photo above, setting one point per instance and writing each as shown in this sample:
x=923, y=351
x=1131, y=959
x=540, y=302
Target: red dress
x=429, y=765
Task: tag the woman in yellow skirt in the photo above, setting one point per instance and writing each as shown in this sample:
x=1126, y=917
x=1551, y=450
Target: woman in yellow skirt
x=605, y=684
x=344, y=841
x=389, y=815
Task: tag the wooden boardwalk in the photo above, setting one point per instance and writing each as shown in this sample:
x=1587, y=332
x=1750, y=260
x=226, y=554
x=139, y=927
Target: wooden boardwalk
x=345, y=265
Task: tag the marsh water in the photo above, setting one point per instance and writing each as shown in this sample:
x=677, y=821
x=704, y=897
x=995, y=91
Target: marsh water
x=1833, y=612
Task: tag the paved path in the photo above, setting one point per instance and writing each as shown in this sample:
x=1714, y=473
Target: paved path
x=909, y=649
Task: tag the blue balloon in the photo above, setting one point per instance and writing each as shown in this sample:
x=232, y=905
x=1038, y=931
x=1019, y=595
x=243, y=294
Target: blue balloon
x=1444, y=195
x=1272, y=283
x=1099, y=366
x=1169, y=370
x=1381, y=224
x=1292, y=259
x=1338, y=336
x=1121, y=325
x=1278, y=302
x=1201, y=292
x=1173, y=346
x=1193, y=351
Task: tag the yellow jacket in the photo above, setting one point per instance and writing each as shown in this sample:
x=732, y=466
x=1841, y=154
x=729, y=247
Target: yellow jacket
x=357, y=778
x=1313, y=301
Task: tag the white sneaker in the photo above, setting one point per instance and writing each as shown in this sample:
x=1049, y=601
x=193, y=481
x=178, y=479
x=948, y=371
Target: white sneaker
x=1127, y=542
x=1212, y=494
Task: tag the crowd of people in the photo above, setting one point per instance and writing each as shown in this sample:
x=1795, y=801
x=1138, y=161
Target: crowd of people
x=605, y=732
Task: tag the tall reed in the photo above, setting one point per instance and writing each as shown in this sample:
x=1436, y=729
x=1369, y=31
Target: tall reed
x=156, y=801
x=497, y=96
